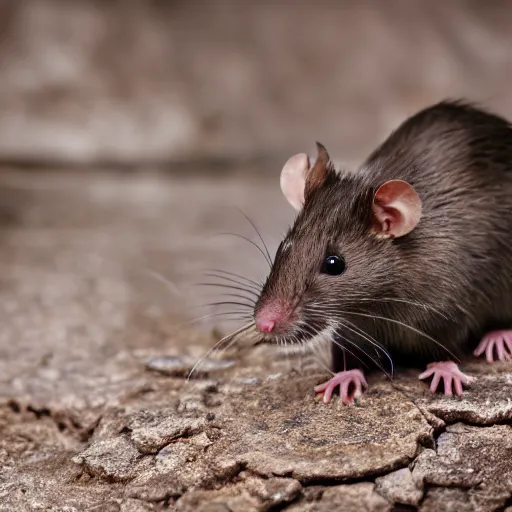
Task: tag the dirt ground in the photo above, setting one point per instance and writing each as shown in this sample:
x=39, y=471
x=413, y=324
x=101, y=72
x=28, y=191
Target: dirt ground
x=97, y=282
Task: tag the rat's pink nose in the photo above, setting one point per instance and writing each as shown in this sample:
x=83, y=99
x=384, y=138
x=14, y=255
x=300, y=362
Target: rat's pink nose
x=271, y=316
x=264, y=324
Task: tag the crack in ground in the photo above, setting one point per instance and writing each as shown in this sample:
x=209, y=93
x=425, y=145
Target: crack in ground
x=65, y=423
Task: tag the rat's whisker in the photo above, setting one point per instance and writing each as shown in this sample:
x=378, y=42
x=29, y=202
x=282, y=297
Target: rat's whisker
x=231, y=287
x=398, y=322
x=314, y=348
x=337, y=312
x=259, y=235
x=345, y=349
x=337, y=333
x=249, y=286
x=170, y=285
x=225, y=339
x=355, y=345
x=358, y=331
x=226, y=303
x=362, y=334
x=405, y=301
x=235, y=314
x=251, y=242
x=232, y=274
x=236, y=295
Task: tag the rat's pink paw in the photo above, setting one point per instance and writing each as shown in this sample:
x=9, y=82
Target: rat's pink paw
x=351, y=385
x=499, y=340
x=451, y=375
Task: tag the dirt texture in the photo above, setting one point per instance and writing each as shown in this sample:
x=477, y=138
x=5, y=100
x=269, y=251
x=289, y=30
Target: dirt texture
x=96, y=413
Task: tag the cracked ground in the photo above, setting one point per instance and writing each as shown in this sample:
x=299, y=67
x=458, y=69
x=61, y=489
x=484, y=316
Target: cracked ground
x=98, y=277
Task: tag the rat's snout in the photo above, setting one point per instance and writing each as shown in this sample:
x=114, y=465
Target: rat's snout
x=272, y=316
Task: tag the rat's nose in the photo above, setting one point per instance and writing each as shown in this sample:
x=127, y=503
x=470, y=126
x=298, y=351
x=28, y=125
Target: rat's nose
x=270, y=316
x=264, y=325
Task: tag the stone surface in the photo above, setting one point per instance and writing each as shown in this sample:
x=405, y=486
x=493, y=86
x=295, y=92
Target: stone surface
x=475, y=459
x=86, y=424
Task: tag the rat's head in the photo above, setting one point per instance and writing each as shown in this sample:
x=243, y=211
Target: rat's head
x=339, y=255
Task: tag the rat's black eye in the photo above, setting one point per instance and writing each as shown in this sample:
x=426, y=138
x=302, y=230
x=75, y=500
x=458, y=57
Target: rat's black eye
x=333, y=265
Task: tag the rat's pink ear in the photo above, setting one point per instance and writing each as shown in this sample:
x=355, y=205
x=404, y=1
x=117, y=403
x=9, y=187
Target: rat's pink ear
x=293, y=179
x=298, y=181
x=396, y=209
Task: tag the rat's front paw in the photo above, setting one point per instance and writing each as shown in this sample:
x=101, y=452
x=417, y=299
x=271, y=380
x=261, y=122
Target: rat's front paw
x=351, y=385
x=499, y=341
x=453, y=378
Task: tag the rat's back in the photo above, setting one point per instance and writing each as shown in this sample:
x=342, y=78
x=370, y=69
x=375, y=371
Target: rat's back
x=459, y=160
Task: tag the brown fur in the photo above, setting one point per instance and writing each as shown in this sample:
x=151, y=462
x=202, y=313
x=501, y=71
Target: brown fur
x=456, y=265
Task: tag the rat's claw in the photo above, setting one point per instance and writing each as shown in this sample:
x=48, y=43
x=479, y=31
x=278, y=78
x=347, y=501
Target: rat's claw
x=499, y=340
x=351, y=385
x=453, y=378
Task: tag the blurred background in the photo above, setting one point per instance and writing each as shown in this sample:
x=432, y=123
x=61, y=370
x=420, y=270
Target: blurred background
x=156, y=82
x=131, y=132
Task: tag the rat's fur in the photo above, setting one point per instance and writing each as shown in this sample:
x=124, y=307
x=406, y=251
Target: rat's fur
x=449, y=279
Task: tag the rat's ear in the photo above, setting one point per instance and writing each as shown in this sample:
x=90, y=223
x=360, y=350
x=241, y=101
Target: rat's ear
x=293, y=179
x=396, y=209
x=297, y=179
x=320, y=170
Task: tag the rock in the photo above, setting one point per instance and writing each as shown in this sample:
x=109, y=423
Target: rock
x=399, y=487
x=359, y=497
x=471, y=458
x=152, y=430
x=178, y=467
x=280, y=429
x=250, y=495
x=439, y=499
x=273, y=492
x=115, y=459
x=135, y=506
x=488, y=401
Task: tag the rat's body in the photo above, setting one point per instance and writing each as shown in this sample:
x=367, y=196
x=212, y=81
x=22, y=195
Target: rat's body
x=424, y=229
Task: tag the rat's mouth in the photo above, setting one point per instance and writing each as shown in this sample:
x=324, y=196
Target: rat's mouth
x=301, y=332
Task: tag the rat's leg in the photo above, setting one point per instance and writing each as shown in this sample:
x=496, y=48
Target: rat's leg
x=499, y=340
x=351, y=385
x=451, y=375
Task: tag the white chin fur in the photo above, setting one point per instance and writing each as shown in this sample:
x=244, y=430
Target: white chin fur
x=318, y=344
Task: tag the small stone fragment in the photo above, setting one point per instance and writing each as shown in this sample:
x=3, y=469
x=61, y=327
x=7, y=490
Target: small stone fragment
x=152, y=430
x=444, y=499
x=228, y=499
x=152, y=486
x=115, y=459
x=131, y=505
x=273, y=491
x=399, y=487
x=359, y=497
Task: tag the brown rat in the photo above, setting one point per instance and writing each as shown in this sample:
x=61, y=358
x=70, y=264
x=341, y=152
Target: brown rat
x=407, y=259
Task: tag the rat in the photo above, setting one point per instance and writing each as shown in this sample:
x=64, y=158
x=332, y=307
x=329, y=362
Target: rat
x=408, y=258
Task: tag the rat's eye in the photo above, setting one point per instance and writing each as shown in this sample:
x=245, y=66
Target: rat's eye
x=333, y=265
